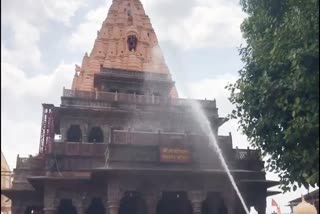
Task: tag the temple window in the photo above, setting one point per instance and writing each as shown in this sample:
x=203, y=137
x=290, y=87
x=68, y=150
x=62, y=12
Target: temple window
x=95, y=135
x=74, y=134
x=132, y=42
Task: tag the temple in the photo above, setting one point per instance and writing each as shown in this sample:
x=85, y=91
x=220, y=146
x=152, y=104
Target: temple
x=5, y=184
x=123, y=142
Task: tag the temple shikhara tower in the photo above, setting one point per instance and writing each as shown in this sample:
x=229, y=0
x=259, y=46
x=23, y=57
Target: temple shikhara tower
x=123, y=142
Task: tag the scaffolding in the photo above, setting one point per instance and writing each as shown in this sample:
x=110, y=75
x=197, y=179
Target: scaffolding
x=47, y=129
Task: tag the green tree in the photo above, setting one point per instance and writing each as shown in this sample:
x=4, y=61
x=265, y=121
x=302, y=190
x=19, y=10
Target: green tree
x=276, y=97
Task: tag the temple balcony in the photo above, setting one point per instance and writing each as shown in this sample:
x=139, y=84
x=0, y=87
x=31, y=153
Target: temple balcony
x=146, y=149
x=98, y=99
x=26, y=166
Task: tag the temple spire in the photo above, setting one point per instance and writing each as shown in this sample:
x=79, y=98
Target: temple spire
x=126, y=41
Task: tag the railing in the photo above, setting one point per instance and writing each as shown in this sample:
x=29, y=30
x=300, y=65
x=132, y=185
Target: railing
x=135, y=74
x=134, y=98
x=85, y=155
x=149, y=138
x=78, y=149
x=29, y=163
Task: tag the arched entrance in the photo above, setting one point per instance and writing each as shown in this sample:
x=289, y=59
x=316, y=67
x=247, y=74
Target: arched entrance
x=74, y=134
x=213, y=204
x=174, y=203
x=95, y=135
x=132, y=203
x=96, y=207
x=33, y=210
x=66, y=207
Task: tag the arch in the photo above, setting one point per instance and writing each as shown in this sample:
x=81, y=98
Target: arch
x=74, y=134
x=173, y=203
x=214, y=203
x=95, y=135
x=66, y=207
x=132, y=203
x=33, y=210
x=132, y=41
x=96, y=207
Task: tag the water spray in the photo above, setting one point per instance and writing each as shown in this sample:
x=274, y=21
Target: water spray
x=204, y=123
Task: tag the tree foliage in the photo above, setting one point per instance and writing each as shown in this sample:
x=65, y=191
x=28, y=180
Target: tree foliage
x=277, y=93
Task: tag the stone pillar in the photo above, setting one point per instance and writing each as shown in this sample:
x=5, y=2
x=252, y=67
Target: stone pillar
x=84, y=130
x=114, y=197
x=80, y=207
x=63, y=132
x=113, y=206
x=151, y=199
x=49, y=211
x=50, y=200
x=196, y=198
x=81, y=202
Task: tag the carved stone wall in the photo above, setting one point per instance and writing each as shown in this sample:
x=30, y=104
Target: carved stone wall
x=126, y=21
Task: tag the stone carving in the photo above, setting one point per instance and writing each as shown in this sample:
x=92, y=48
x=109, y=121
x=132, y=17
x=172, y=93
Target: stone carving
x=77, y=70
x=132, y=42
x=114, y=192
x=122, y=27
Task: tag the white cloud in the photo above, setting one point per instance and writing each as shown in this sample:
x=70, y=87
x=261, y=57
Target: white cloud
x=21, y=106
x=25, y=51
x=214, y=23
x=82, y=39
x=61, y=10
x=26, y=20
x=38, y=12
x=18, y=138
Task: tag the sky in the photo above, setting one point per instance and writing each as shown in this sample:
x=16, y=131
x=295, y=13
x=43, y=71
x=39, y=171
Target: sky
x=42, y=40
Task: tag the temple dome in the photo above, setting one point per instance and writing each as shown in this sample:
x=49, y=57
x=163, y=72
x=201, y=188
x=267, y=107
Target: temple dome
x=304, y=208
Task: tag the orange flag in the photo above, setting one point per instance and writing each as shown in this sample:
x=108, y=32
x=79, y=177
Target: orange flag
x=275, y=204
